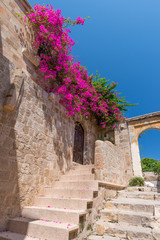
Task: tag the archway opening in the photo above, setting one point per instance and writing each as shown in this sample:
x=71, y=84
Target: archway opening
x=149, y=147
x=78, y=144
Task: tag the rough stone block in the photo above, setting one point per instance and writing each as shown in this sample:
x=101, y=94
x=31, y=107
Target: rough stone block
x=100, y=229
x=10, y=100
x=33, y=59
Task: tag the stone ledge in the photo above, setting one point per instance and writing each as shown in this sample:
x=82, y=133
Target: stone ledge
x=111, y=185
x=33, y=59
x=143, y=116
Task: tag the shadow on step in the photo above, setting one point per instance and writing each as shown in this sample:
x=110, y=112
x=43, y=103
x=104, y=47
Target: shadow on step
x=42, y=229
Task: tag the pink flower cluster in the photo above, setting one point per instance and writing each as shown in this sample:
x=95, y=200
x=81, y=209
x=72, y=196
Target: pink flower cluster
x=61, y=74
x=80, y=21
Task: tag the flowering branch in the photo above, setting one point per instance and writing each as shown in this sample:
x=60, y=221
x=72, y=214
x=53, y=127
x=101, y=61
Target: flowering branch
x=62, y=74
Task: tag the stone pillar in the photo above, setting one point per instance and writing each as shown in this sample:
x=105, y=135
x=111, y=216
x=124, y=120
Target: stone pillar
x=136, y=160
x=99, y=159
x=122, y=140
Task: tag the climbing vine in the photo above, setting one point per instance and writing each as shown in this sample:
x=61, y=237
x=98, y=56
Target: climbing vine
x=79, y=92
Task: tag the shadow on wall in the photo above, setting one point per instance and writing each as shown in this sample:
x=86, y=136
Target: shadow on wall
x=62, y=130
x=57, y=124
x=55, y=118
x=9, y=191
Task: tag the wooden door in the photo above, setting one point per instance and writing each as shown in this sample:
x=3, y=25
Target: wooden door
x=78, y=144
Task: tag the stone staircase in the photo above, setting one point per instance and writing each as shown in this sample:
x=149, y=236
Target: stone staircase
x=134, y=215
x=61, y=213
x=68, y=209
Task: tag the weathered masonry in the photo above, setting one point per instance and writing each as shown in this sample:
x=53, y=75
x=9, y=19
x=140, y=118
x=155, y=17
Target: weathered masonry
x=126, y=135
x=36, y=136
x=38, y=142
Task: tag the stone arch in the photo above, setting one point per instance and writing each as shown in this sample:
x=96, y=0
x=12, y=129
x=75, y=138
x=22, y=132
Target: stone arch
x=147, y=128
x=136, y=126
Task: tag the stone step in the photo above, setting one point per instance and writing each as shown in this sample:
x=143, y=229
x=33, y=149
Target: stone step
x=143, y=189
x=82, y=167
x=140, y=189
x=155, y=189
x=156, y=183
x=140, y=195
x=132, y=218
x=156, y=233
x=15, y=236
x=70, y=193
x=86, y=185
x=93, y=237
x=53, y=214
x=124, y=231
x=77, y=177
x=75, y=204
x=79, y=171
x=43, y=229
x=133, y=204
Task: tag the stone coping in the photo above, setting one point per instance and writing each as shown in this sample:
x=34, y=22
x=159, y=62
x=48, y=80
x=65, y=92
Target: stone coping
x=32, y=58
x=111, y=185
x=143, y=116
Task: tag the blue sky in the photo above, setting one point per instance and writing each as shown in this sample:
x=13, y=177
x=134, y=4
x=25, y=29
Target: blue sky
x=149, y=144
x=122, y=41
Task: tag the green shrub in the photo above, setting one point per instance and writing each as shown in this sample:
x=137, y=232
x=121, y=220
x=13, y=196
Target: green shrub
x=148, y=164
x=156, y=168
x=136, y=181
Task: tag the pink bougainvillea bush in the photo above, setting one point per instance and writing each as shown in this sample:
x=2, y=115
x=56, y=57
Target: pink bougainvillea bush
x=62, y=74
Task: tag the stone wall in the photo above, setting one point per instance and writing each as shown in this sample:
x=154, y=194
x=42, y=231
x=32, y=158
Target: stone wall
x=109, y=163
x=150, y=176
x=113, y=158
x=36, y=136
